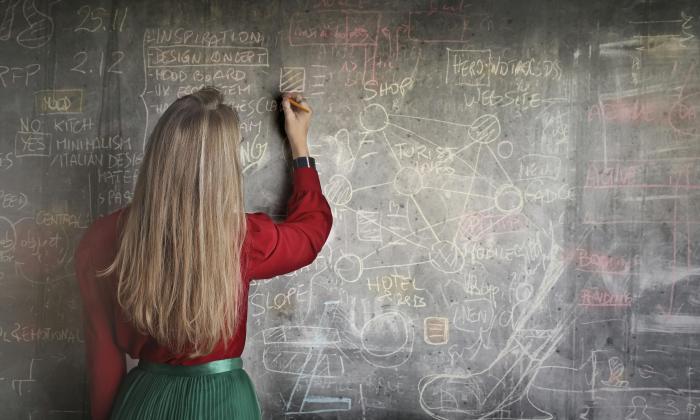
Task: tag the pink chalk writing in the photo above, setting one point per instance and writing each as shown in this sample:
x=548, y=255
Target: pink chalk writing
x=590, y=261
x=477, y=223
x=596, y=297
x=613, y=174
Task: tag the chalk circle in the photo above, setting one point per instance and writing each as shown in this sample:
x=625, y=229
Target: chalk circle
x=432, y=390
x=446, y=257
x=43, y=266
x=504, y=149
x=339, y=190
x=485, y=129
x=509, y=199
x=8, y=236
x=683, y=111
x=386, y=334
x=348, y=268
x=523, y=292
x=408, y=181
x=374, y=118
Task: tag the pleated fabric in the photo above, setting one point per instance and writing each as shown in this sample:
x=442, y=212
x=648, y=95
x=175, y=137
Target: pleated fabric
x=216, y=390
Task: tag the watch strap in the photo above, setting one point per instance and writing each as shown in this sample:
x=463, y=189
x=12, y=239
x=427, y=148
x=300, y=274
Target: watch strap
x=304, y=162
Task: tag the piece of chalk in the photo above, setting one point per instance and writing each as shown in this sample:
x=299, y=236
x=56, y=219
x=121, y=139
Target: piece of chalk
x=298, y=105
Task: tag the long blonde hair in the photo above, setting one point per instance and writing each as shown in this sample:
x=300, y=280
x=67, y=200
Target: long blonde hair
x=179, y=256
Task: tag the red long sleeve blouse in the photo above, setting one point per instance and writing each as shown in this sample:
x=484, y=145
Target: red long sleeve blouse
x=269, y=249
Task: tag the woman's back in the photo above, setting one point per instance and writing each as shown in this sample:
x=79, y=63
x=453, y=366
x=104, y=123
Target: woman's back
x=267, y=249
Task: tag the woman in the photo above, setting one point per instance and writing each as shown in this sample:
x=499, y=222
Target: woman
x=166, y=278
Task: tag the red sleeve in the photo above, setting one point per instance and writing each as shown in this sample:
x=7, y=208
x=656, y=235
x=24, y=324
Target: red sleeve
x=279, y=248
x=105, y=362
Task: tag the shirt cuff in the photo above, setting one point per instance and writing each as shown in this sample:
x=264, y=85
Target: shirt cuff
x=306, y=179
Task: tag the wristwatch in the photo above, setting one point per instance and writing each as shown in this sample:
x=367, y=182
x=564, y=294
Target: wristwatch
x=304, y=162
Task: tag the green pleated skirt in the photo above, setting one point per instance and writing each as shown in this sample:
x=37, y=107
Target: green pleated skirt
x=216, y=390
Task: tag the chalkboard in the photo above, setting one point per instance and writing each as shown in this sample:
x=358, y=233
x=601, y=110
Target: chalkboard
x=515, y=188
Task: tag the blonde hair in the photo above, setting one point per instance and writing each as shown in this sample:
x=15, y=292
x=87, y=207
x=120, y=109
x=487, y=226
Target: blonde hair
x=179, y=257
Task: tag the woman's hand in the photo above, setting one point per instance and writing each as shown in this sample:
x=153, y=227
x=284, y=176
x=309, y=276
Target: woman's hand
x=296, y=124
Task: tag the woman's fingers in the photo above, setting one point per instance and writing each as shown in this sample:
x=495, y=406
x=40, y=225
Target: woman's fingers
x=302, y=101
x=287, y=107
x=296, y=97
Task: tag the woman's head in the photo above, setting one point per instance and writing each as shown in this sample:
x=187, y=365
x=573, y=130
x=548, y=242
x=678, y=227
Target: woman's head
x=178, y=262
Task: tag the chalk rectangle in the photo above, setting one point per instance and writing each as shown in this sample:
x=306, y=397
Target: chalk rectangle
x=667, y=324
x=334, y=27
x=205, y=56
x=468, y=67
x=292, y=79
x=681, y=173
x=623, y=206
x=436, y=330
x=308, y=336
x=29, y=143
x=535, y=166
x=369, y=226
x=322, y=404
x=300, y=362
x=653, y=191
x=59, y=101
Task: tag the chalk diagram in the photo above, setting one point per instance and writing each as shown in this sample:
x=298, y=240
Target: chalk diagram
x=425, y=228
x=40, y=25
x=475, y=173
x=38, y=253
x=319, y=353
x=483, y=193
